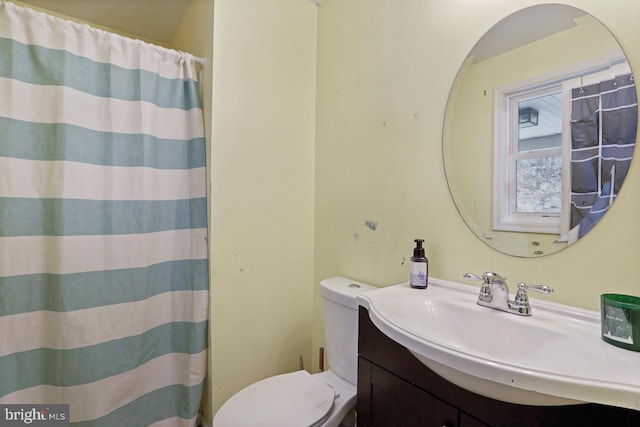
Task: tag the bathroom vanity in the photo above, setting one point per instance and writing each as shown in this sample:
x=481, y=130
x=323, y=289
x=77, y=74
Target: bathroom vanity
x=396, y=389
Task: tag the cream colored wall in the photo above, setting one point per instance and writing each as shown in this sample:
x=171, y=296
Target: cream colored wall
x=384, y=73
x=93, y=24
x=262, y=148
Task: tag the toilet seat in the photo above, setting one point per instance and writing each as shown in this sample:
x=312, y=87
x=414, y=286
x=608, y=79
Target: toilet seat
x=296, y=399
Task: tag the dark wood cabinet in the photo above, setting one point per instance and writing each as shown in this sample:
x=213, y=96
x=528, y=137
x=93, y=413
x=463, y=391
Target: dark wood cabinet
x=397, y=390
x=398, y=403
x=468, y=421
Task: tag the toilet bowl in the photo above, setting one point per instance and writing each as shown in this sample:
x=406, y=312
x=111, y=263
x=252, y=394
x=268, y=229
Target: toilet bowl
x=295, y=399
x=299, y=399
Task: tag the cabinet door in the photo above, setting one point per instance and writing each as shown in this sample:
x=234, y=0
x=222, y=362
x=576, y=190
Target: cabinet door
x=467, y=421
x=397, y=403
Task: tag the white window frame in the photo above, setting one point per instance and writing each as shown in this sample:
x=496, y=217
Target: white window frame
x=505, y=153
x=507, y=218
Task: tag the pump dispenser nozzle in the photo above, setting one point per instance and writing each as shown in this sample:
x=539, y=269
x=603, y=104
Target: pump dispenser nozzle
x=418, y=251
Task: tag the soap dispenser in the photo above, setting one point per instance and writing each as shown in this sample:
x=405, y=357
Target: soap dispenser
x=418, y=267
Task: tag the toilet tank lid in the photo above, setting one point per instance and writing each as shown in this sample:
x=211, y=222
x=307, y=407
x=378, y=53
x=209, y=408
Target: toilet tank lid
x=343, y=290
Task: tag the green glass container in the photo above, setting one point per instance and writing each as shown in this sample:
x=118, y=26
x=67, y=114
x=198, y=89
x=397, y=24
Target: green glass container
x=620, y=320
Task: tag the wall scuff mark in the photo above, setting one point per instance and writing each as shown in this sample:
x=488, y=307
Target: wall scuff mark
x=372, y=225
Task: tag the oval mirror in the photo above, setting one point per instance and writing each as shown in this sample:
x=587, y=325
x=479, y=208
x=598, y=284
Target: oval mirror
x=539, y=130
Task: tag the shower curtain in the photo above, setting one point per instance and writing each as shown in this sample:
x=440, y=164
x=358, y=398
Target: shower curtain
x=604, y=122
x=103, y=251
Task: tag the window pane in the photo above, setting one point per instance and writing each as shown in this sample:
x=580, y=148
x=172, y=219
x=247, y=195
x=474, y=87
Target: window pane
x=538, y=185
x=540, y=122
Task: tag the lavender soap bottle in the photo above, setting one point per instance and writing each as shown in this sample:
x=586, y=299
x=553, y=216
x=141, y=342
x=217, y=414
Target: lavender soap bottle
x=418, y=267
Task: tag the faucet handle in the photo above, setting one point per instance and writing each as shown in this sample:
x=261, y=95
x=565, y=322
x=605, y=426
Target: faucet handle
x=521, y=296
x=521, y=304
x=488, y=278
x=472, y=276
x=543, y=289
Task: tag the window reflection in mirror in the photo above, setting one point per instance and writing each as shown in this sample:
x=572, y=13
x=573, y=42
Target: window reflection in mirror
x=529, y=194
x=528, y=185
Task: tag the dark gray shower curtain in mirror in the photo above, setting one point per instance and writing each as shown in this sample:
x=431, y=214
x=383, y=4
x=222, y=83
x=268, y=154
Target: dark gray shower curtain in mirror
x=604, y=121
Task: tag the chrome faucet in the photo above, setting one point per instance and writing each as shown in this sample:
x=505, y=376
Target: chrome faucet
x=494, y=293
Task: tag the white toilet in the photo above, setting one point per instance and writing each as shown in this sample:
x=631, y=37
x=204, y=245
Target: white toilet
x=299, y=399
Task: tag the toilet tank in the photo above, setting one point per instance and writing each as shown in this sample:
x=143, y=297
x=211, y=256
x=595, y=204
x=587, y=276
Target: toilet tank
x=340, y=313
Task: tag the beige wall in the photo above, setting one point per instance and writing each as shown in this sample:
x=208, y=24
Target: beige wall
x=261, y=123
x=384, y=73
x=261, y=238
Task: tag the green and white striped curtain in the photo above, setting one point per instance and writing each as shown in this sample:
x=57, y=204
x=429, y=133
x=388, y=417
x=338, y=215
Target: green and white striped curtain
x=103, y=239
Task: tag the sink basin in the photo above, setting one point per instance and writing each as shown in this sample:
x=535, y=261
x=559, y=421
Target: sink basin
x=554, y=357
